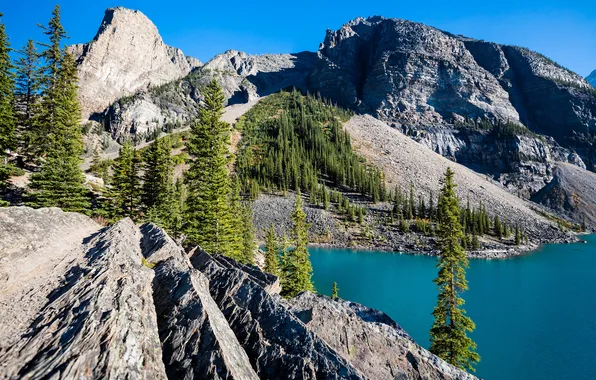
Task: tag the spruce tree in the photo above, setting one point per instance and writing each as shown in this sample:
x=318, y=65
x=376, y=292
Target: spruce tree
x=298, y=268
x=271, y=252
x=335, y=291
x=448, y=334
x=249, y=245
x=126, y=186
x=60, y=182
x=158, y=187
x=7, y=119
x=209, y=222
x=27, y=94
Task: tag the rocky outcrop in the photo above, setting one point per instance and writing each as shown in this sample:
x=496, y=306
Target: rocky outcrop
x=127, y=302
x=549, y=98
x=275, y=340
x=408, y=73
x=592, y=78
x=100, y=323
x=370, y=340
x=197, y=340
x=571, y=192
x=126, y=55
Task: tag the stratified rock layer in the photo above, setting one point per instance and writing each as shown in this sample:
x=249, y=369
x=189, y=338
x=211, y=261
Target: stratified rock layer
x=100, y=323
x=370, y=340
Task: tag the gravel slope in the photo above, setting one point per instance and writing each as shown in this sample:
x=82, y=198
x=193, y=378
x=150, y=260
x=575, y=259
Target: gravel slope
x=406, y=162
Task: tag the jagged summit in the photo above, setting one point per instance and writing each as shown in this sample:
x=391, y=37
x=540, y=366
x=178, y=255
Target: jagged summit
x=126, y=54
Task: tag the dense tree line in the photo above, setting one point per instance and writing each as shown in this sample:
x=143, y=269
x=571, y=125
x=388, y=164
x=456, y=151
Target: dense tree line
x=297, y=142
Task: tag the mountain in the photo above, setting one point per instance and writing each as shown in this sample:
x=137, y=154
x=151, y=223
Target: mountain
x=126, y=55
x=504, y=111
x=412, y=74
x=592, y=78
x=127, y=301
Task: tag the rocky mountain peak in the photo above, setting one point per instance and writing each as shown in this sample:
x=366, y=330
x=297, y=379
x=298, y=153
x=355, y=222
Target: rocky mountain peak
x=407, y=72
x=127, y=54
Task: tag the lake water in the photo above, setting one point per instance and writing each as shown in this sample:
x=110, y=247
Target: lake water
x=535, y=315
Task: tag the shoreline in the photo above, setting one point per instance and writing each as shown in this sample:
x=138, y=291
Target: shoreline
x=487, y=254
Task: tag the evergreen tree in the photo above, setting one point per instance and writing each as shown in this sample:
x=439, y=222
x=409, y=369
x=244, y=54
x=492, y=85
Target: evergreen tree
x=125, y=183
x=518, y=235
x=27, y=94
x=158, y=184
x=448, y=334
x=249, y=245
x=7, y=119
x=209, y=221
x=271, y=252
x=335, y=291
x=297, y=266
x=60, y=182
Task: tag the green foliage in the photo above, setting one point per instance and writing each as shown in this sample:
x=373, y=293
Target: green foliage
x=448, y=334
x=291, y=141
x=209, y=218
x=27, y=93
x=60, y=182
x=335, y=291
x=271, y=252
x=296, y=266
x=157, y=191
x=126, y=188
x=7, y=119
x=249, y=244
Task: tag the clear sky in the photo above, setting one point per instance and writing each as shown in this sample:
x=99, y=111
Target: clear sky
x=562, y=30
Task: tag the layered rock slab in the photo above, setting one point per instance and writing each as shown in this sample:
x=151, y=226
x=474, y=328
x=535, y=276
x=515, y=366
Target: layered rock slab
x=277, y=342
x=370, y=340
x=37, y=247
x=100, y=323
x=197, y=341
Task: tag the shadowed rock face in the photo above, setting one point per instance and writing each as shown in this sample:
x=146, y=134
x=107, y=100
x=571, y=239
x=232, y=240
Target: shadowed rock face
x=131, y=305
x=275, y=340
x=127, y=54
x=406, y=72
x=370, y=340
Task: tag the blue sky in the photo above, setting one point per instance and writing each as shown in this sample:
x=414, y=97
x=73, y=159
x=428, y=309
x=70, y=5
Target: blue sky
x=562, y=30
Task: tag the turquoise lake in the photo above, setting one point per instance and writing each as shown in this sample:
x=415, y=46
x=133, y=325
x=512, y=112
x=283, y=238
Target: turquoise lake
x=535, y=315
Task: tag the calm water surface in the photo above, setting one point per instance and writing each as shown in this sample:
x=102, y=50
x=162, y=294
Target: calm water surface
x=535, y=315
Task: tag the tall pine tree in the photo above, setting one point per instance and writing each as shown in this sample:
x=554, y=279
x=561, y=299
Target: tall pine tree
x=209, y=222
x=7, y=119
x=27, y=94
x=126, y=188
x=448, y=335
x=158, y=187
x=60, y=181
x=297, y=266
x=271, y=252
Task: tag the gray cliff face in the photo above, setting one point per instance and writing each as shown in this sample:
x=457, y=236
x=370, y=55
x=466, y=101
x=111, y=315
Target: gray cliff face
x=550, y=99
x=128, y=302
x=592, y=78
x=408, y=73
x=522, y=163
x=126, y=55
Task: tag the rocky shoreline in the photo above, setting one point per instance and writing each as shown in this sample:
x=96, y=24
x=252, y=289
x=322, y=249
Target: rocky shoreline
x=328, y=230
